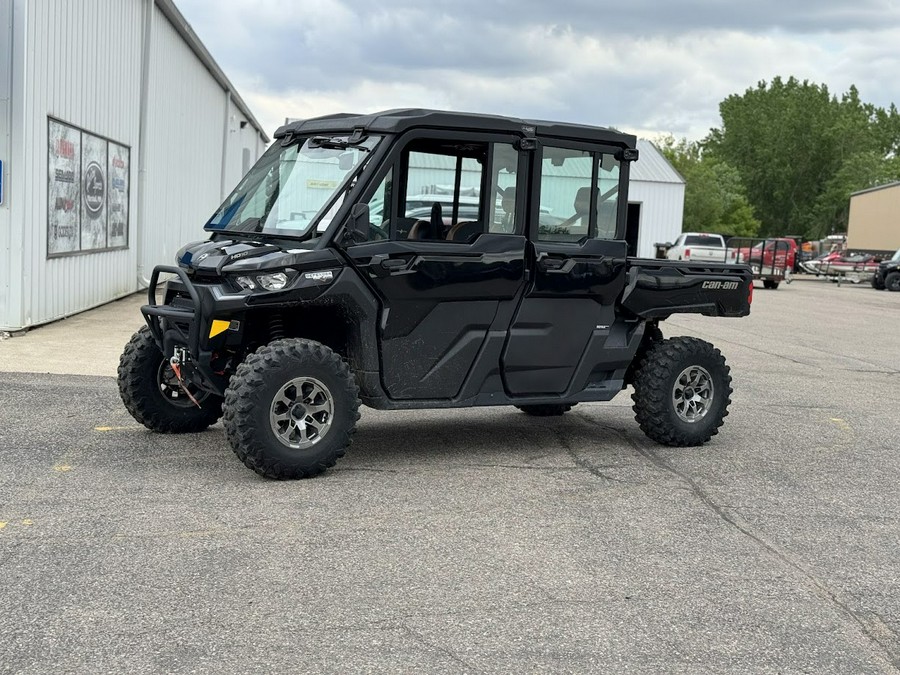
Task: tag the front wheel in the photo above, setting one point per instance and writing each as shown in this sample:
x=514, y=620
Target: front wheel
x=290, y=409
x=682, y=390
x=153, y=395
x=892, y=281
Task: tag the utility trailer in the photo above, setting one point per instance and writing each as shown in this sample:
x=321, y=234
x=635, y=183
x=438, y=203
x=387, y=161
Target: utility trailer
x=771, y=260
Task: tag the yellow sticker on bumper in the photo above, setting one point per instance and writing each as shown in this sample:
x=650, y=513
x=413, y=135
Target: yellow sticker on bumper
x=218, y=326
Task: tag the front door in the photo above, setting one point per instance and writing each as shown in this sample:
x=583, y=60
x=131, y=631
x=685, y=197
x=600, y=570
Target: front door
x=446, y=257
x=562, y=326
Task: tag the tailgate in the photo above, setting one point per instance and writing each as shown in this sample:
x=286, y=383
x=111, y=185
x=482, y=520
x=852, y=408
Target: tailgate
x=700, y=254
x=657, y=289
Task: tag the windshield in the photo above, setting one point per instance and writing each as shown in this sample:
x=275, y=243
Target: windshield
x=289, y=192
x=896, y=256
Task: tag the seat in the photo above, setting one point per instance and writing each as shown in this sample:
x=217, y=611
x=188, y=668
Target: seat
x=465, y=230
x=582, y=209
x=428, y=229
x=508, y=204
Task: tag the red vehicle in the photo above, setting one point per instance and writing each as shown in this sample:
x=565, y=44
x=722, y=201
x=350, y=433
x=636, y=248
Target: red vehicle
x=772, y=260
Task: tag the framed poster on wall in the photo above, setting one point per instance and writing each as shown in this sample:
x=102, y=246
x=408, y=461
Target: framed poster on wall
x=117, y=199
x=64, y=194
x=88, y=191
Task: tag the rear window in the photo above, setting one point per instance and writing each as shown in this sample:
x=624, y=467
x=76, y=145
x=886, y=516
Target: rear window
x=702, y=240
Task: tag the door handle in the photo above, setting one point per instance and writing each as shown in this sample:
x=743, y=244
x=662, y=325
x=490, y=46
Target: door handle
x=394, y=264
x=558, y=265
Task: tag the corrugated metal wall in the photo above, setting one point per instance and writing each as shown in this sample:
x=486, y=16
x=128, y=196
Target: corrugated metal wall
x=70, y=75
x=185, y=128
x=6, y=84
x=662, y=209
x=81, y=62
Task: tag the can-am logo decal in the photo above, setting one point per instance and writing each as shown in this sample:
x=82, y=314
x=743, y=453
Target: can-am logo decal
x=93, y=192
x=321, y=277
x=720, y=285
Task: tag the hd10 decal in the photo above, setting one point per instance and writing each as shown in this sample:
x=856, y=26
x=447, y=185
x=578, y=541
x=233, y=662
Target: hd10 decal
x=87, y=195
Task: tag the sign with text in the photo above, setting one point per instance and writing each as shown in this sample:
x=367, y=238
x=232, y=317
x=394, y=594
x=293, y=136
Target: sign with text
x=88, y=191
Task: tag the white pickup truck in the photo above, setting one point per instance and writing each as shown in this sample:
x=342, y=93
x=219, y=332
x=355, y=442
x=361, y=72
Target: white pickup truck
x=701, y=247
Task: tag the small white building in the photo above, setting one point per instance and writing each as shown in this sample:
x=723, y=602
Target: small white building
x=655, y=200
x=119, y=136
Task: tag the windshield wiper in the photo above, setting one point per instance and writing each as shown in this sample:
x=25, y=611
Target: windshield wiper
x=339, y=142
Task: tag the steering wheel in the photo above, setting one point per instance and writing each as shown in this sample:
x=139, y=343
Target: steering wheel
x=377, y=233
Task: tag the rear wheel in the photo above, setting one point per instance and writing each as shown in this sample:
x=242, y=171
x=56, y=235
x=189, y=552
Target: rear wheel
x=682, y=390
x=877, y=285
x=892, y=281
x=770, y=284
x=154, y=397
x=546, y=410
x=290, y=409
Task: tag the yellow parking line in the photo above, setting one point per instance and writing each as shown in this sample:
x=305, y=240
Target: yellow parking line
x=840, y=424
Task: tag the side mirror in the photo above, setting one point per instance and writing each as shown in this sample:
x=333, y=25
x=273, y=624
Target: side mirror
x=358, y=227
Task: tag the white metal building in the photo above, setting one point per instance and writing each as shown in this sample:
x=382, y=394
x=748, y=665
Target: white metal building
x=119, y=135
x=655, y=199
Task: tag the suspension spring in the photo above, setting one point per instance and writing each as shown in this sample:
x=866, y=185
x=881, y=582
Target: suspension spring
x=276, y=327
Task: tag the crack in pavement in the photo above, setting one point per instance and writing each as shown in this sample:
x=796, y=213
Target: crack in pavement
x=872, y=627
x=443, y=650
x=583, y=463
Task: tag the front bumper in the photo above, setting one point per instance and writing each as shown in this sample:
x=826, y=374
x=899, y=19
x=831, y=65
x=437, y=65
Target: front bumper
x=210, y=319
x=185, y=324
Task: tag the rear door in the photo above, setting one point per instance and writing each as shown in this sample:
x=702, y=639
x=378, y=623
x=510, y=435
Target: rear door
x=577, y=269
x=446, y=258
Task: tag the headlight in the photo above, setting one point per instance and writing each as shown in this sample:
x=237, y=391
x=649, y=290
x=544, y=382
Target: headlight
x=273, y=281
x=246, y=283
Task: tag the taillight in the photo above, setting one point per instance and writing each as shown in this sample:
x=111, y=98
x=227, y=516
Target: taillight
x=750, y=297
x=687, y=253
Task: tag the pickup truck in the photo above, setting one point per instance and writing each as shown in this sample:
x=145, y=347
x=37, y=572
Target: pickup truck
x=383, y=300
x=701, y=247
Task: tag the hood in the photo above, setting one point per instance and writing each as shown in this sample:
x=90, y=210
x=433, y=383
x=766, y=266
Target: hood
x=241, y=255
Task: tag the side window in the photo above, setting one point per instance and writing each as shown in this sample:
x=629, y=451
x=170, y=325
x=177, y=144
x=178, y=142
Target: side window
x=380, y=209
x=565, y=194
x=502, y=202
x=607, y=197
x=570, y=180
x=442, y=196
x=442, y=190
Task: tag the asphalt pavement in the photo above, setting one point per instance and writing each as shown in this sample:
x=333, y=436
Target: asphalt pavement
x=477, y=540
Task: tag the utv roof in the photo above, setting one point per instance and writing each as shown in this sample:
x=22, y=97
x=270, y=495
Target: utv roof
x=397, y=121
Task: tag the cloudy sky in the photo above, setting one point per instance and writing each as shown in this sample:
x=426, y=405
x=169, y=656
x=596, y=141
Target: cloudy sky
x=645, y=66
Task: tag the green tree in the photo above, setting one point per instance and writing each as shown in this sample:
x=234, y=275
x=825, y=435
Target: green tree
x=714, y=196
x=800, y=152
